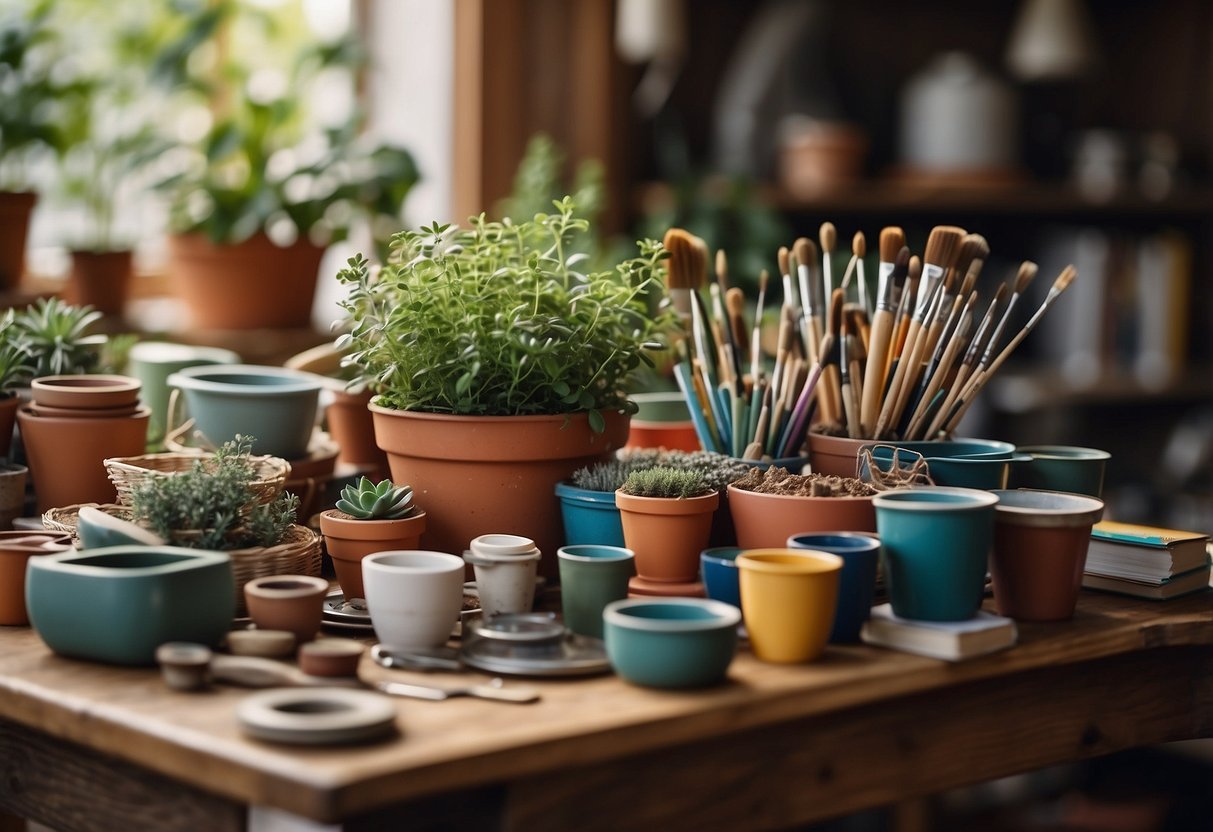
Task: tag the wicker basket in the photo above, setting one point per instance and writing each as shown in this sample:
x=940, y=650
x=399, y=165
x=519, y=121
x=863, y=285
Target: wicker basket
x=127, y=472
x=297, y=554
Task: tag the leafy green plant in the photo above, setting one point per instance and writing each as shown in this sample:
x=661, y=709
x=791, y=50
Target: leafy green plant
x=264, y=161
x=15, y=369
x=54, y=335
x=383, y=501
x=497, y=320
x=213, y=505
x=716, y=470
x=668, y=483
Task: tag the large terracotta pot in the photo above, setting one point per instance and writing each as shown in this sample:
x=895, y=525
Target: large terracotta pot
x=666, y=534
x=492, y=474
x=352, y=428
x=348, y=540
x=766, y=521
x=250, y=285
x=100, y=279
x=66, y=455
x=15, y=210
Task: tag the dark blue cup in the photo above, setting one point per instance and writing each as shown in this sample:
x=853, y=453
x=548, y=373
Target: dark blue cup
x=860, y=554
x=720, y=576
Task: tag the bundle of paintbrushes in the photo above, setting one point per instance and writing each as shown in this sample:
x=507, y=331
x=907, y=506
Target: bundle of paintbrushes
x=904, y=363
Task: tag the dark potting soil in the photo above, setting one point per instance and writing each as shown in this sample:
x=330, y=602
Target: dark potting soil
x=780, y=481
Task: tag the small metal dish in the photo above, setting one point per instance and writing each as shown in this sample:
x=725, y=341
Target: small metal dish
x=524, y=628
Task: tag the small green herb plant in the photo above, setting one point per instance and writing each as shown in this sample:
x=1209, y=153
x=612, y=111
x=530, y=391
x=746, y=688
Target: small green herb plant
x=497, y=320
x=55, y=336
x=213, y=505
x=370, y=501
x=717, y=470
x=667, y=483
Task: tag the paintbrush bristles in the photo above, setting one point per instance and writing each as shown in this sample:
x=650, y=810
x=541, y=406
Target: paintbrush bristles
x=722, y=270
x=943, y=246
x=828, y=237
x=1027, y=272
x=805, y=251
x=970, y=280
x=683, y=271
x=892, y=241
x=784, y=266
x=972, y=247
x=1064, y=279
x=859, y=246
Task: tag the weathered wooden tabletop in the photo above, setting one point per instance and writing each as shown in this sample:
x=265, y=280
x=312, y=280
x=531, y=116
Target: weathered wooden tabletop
x=773, y=746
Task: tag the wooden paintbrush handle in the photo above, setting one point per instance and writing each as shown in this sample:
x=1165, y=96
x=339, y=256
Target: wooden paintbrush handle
x=941, y=418
x=886, y=421
x=874, y=373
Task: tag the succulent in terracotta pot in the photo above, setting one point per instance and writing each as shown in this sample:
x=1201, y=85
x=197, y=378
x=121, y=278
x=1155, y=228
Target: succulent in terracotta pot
x=369, y=517
x=667, y=522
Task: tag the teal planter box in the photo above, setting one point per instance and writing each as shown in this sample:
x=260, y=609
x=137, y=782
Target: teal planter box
x=590, y=517
x=119, y=604
x=936, y=544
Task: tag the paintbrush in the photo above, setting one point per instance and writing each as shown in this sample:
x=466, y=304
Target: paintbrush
x=950, y=319
x=791, y=300
x=798, y=423
x=859, y=249
x=1023, y=279
x=686, y=270
x=850, y=412
x=904, y=308
x=942, y=247
x=972, y=354
x=734, y=307
x=756, y=332
x=806, y=255
x=941, y=364
x=972, y=247
x=881, y=334
x=1062, y=283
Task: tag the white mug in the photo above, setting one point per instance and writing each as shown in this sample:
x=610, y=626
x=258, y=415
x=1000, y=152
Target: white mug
x=414, y=597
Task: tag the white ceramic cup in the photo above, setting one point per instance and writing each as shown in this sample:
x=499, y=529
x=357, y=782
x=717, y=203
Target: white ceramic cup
x=502, y=545
x=506, y=584
x=414, y=597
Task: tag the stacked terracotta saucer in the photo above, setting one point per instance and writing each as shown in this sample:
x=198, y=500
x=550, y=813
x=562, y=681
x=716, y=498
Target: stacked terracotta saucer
x=72, y=424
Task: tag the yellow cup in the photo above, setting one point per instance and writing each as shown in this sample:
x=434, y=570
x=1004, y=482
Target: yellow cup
x=788, y=598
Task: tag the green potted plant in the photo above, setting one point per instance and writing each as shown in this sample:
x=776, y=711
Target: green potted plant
x=499, y=367
x=369, y=517
x=32, y=99
x=667, y=522
x=255, y=202
x=214, y=505
x=15, y=371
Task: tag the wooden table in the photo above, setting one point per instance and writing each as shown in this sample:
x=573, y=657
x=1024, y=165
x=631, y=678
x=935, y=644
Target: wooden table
x=86, y=746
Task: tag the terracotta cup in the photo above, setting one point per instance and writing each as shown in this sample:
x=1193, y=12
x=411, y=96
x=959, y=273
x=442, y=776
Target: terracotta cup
x=16, y=548
x=788, y=597
x=1040, y=550
x=287, y=602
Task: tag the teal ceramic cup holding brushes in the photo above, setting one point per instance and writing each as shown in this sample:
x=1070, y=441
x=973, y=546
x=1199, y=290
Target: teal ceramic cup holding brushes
x=936, y=544
x=590, y=578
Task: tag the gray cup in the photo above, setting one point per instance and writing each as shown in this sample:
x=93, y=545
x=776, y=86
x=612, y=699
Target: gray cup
x=590, y=578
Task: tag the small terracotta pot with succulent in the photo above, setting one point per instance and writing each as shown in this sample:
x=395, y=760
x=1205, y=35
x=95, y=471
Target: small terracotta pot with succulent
x=667, y=521
x=369, y=517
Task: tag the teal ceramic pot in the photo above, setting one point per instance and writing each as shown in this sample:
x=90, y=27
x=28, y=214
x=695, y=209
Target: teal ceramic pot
x=671, y=642
x=120, y=603
x=1062, y=468
x=589, y=517
x=152, y=362
x=718, y=568
x=590, y=578
x=275, y=405
x=936, y=544
x=961, y=464
x=860, y=555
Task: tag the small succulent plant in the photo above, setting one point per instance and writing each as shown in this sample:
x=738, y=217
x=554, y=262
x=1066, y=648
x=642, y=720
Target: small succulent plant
x=669, y=483
x=382, y=501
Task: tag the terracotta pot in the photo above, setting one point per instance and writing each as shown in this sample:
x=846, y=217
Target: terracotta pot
x=481, y=474
x=1040, y=550
x=250, y=285
x=66, y=456
x=294, y=603
x=353, y=429
x=8, y=417
x=85, y=392
x=766, y=521
x=100, y=279
x=349, y=540
x=15, y=210
x=667, y=535
x=834, y=455
x=12, y=493
x=16, y=548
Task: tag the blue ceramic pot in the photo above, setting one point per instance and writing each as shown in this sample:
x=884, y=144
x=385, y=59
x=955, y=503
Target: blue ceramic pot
x=590, y=517
x=671, y=642
x=936, y=544
x=720, y=577
x=120, y=603
x=274, y=405
x=860, y=555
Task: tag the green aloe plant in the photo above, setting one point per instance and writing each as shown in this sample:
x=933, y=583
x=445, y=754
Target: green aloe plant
x=55, y=336
x=371, y=501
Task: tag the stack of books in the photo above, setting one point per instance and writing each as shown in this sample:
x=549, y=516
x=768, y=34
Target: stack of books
x=1145, y=561
x=951, y=641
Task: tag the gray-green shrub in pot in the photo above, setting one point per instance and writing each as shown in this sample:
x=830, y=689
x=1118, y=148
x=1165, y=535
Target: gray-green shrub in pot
x=499, y=366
